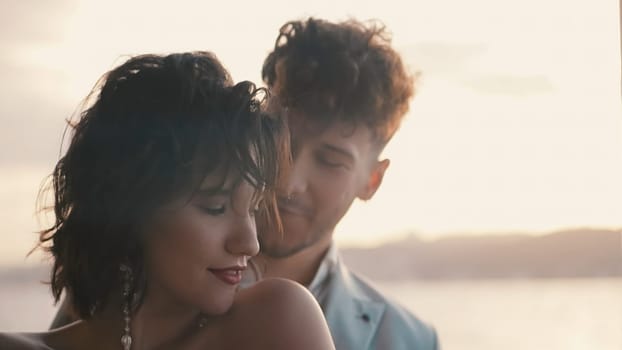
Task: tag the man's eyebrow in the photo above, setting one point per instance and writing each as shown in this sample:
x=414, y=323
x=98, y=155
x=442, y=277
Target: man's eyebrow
x=339, y=150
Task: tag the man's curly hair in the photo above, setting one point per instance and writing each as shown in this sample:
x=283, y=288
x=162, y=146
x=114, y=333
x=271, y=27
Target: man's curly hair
x=344, y=71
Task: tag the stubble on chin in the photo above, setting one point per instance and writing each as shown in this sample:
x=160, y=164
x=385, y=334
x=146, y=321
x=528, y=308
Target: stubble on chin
x=280, y=248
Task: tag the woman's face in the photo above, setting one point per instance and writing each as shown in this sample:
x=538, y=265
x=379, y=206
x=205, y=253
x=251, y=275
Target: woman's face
x=196, y=250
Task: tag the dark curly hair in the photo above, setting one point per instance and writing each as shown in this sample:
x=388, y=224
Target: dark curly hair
x=158, y=125
x=340, y=71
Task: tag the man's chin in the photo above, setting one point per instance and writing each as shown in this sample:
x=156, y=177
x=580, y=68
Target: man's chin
x=281, y=249
x=295, y=238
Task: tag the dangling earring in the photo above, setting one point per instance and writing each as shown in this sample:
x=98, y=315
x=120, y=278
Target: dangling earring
x=126, y=338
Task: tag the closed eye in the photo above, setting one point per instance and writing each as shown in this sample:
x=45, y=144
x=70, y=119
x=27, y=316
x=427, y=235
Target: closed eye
x=330, y=162
x=213, y=210
x=212, y=201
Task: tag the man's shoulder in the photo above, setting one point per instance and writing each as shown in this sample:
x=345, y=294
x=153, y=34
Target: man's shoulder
x=394, y=311
x=396, y=321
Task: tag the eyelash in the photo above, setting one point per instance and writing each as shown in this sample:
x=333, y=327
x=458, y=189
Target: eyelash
x=323, y=160
x=222, y=209
x=213, y=211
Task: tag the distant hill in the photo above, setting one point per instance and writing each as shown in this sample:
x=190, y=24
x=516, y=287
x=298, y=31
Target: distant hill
x=564, y=254
x=571, y=253
x=25, y=274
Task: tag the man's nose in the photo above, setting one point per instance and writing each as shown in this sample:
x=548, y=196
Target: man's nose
x=296, y=180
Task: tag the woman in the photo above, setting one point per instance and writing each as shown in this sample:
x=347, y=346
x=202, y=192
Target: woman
x=155, y=204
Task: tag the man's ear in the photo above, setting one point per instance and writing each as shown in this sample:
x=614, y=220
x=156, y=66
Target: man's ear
x=374, y=180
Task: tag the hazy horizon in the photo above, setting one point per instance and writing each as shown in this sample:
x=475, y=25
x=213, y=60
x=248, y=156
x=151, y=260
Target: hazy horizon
x=39, y=258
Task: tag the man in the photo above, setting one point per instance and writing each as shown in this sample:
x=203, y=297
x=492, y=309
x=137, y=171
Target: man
x=344, y=91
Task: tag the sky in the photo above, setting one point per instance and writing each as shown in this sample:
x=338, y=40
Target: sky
x=516, y=125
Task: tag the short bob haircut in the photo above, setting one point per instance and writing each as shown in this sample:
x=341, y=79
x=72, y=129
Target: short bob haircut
x=158, y=124
x=344, y=71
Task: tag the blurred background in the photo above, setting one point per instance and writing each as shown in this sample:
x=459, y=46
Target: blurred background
x=499, y=220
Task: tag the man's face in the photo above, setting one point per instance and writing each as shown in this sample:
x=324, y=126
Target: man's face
x=330, y=168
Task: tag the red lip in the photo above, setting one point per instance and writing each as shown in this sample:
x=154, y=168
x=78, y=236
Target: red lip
x=229, y=275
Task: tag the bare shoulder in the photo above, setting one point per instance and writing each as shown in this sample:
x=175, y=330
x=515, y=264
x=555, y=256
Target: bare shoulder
x=276, y=293
x=22, y=341
x=282, y=314
x=278, y=299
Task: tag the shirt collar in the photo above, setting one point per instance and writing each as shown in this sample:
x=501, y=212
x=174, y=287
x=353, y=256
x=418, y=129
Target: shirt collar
x=317, y=283
x=326, y=266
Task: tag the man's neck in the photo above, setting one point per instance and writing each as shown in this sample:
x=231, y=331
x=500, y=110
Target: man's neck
x=300, y=267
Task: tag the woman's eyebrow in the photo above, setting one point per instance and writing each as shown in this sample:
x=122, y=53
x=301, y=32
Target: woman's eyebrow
x=211, y=192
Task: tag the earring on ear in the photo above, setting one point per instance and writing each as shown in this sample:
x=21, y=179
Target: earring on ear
x=126, y=275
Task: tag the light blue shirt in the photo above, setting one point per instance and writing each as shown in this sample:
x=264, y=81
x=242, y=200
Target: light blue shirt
x=360, y=317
